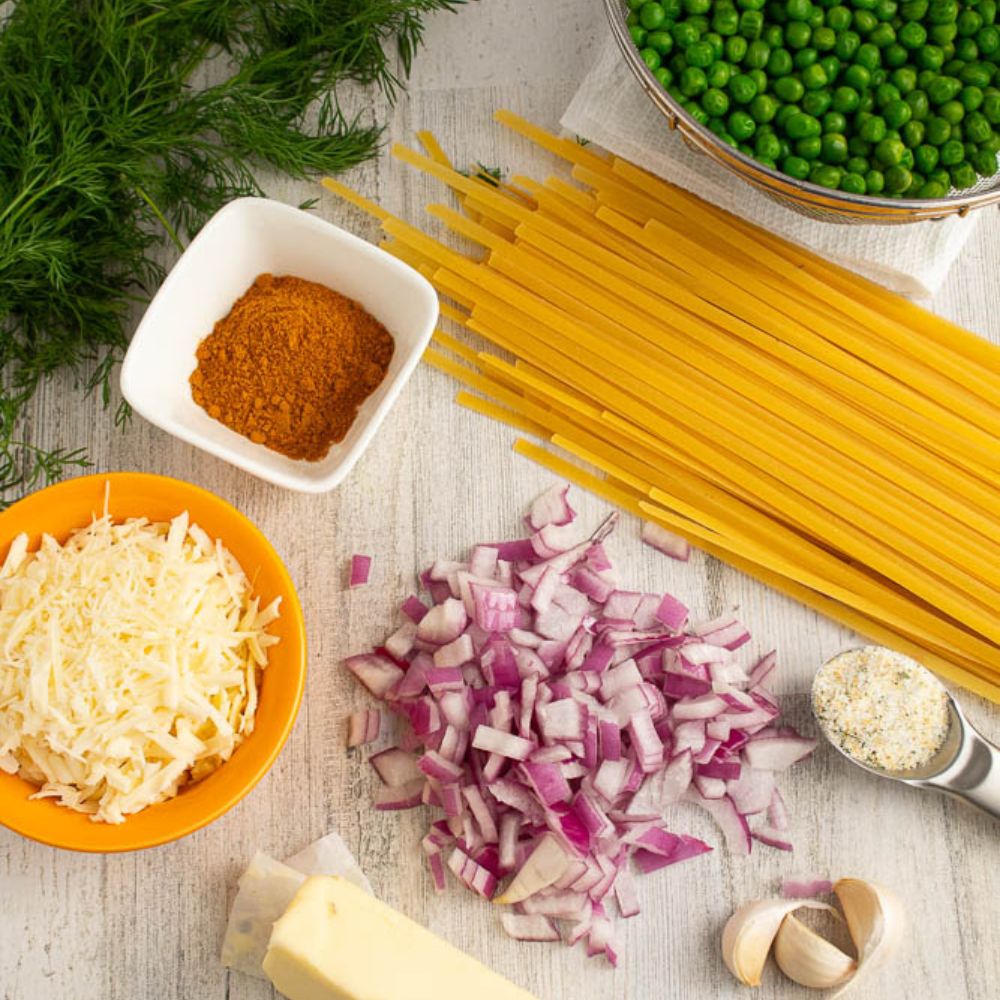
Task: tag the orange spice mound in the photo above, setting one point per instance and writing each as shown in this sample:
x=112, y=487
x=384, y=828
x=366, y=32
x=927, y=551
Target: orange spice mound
x=290, y=364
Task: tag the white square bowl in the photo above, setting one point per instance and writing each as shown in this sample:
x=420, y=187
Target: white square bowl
x=246, y=238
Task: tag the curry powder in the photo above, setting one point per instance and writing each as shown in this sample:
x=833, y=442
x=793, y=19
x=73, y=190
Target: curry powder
x=290, y=364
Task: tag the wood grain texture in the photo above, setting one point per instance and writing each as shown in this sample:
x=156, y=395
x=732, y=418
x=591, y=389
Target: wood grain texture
x=437, y=479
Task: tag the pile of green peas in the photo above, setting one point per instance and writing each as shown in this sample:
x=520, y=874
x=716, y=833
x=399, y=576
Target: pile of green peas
x=897, y=98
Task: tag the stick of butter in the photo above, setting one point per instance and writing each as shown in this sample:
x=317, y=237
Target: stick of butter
x=335, y=942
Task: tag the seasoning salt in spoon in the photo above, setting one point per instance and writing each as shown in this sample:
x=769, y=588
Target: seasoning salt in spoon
x=891, y=716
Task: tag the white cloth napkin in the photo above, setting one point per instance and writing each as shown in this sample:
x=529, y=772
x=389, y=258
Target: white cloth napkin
x=611, y=109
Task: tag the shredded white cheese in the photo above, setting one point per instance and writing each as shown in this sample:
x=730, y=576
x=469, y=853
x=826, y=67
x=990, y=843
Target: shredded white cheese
x=129, y=661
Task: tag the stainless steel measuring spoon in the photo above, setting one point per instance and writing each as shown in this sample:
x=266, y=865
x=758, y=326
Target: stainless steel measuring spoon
x=967, y=766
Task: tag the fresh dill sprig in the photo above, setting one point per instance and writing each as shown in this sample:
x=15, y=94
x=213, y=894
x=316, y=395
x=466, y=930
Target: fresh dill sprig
x=108, y=150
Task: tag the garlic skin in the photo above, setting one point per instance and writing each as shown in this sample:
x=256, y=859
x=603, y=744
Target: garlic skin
x=808, y=959
x=750, y=932
x=875, y=920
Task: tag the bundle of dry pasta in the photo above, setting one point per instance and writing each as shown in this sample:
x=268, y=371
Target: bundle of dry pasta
x=810, y=428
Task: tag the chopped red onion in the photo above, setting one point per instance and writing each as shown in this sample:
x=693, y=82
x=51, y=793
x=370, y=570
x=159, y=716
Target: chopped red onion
x=555, y=716
x=805, y=888
x=363, y=727
x=665, y=541
x=360, y=570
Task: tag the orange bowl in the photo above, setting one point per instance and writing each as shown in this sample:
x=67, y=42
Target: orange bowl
x=59, y=509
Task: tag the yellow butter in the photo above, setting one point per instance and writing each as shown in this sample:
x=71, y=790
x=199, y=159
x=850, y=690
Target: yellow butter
x=335, y=942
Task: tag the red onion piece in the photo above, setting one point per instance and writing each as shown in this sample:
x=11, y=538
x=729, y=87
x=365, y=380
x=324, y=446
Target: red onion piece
x=805, y=888
x=360, y=570
x=665, y=541
x=529, y=927
x=363, y=727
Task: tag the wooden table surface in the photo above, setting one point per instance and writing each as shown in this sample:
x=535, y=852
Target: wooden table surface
x=437, y=478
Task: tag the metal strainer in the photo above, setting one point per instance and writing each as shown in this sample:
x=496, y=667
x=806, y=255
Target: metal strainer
x=801, y=196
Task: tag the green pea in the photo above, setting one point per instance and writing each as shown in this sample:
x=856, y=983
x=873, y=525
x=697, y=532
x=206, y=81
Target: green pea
x=717, y=42
x=952, y=153
x=942, y=11
x=916, y=183
x=696, y=112
x=741, y=126
x=988, y=40
x=952, y=112
x=700, y=55
x=685, y=34
x=913, y=134
x=828, y=176
x=779, y=63
x=758, y=53
x=867, y=101
x=809, y=148
x=661, y=41
x=760, y=79
x=914, y=10
x=834, y=121
x=652, y=16
x=663, y=77
x=938, y=131
x=919, y=105
x=940, y=176
x=952, y=66
x=932, y=189
x=774, y=35
x=966, y=50
x=795, y=166
x=873, y=129
x=751, y=24
x=926, y=157
x=883, y=36
x=677, y=64
x=817, y=19
x=651, y=58
x=718, y=74
x=977, y=127
x=805, y=57
x=839, y=18
x=853, y=183
x=634, y=5
x=972, y=98
x=847, y=45
x=742, y=88
x=638, y=33
x=890, y=152
x=865, y=22
x=875, y=181
x=833, y=148
x=814, y=77
x=736, y=48
x=885, y=10
x=944, y=89
x=726, y=21
x=985, y=163
x=763, y=108
x=767, y=145
x=717, y=126
x=797, y=35
x=897, y=113
x=789, y=89
x=991, y=108
x=868, y=56
x=976, y=74
x=817, y=102
x=988, y=11
x=801, y=125
x=885, y=94
x=897, y=179
x=693, y=82
x=969, y=22
x=907, y=159
x=904, y=79
x=697, y=6
x=798, y=10
x=715, y=102
x=857, y=165
x=963, y=176
x=912, y=35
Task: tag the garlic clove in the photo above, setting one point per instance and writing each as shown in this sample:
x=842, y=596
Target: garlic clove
x=876, y=922
x=808, y=959
x=750, y=932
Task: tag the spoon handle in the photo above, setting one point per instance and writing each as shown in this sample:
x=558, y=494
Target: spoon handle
x=977, y=779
